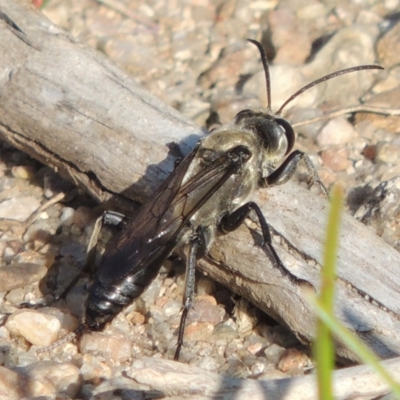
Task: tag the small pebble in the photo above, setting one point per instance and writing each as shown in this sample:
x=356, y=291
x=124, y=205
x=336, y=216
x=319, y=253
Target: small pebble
x=67, y=216
x=36, y=327
x=205, y=309
x=336, y=160
x=82, y=217
x=42, y=231
x=20, y=275
x=19, y=208
x=224, y=332
x=370, y=152
x=387, y=153
x=205, y=286
x=48, y=378
x=94, y=370
x=254, y=348
x=9, y=384
x=68, y=322
x=198, y=331
x=33, y=257
x=109, y=346
x=336, y=132
x=136, y=318
x=274, y=353
x=388, y=47
x=23, y=172
x=293, y=359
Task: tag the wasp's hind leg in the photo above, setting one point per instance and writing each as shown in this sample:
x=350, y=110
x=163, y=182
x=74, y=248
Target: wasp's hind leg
x=231, y=222
x=107, y=218
x=196, y=250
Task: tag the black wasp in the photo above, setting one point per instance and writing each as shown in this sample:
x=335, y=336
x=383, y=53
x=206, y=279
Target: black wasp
x=207, y=194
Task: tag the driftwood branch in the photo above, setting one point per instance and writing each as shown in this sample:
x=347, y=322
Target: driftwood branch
x=71, y=108
x=179, y=381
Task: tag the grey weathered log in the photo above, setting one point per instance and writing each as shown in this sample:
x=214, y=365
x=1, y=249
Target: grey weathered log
x=70, y=107
x=179, y=381
x=73, y=109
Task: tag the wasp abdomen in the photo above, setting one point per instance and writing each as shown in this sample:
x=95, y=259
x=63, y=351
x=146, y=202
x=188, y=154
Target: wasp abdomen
x=106, y=300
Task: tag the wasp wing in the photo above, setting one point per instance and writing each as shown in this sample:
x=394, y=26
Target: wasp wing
x=150, y=237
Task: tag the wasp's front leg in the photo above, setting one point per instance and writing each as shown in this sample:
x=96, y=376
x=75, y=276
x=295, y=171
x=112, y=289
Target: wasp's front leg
x=285, y=172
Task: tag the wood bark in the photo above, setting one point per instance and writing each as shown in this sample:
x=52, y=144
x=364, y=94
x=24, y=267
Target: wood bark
x=71, y=108
x=178, y=381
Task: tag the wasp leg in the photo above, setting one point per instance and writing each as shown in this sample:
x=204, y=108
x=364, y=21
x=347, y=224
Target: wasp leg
x=107, y=218
x=176, y=152
x=196, y=250
x=282, y=174
x=231, y=222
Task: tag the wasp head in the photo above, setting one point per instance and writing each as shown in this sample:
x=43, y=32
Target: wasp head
x=275, y=135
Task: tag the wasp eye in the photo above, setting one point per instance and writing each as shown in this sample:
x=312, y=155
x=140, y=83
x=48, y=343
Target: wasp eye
x=282, y=129
x=289, y=132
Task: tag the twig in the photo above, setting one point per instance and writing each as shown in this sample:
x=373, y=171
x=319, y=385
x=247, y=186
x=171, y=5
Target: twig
x=117, y=6
x=348, y=110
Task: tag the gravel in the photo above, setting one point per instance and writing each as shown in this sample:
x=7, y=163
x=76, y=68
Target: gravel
x=193, y=55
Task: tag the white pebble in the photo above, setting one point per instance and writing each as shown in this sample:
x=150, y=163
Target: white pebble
x=18, y=208
x=336, y=132
x=37, y=328
x=49, y=378
x=111, y=345
x=67, y=216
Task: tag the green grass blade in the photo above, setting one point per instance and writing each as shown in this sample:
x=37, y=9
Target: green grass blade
x=356, y=345
x=327, y=324
x=324, y=352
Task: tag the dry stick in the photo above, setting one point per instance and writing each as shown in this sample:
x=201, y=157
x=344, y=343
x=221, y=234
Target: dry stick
x=124, y=11
x=36, y=214
x=22, y=226
x=178, y=380
x=348, y=110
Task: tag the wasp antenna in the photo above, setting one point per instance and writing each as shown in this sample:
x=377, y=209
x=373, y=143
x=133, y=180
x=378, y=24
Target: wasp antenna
x=326, y=78
x=65, y=339
x=264, y=60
